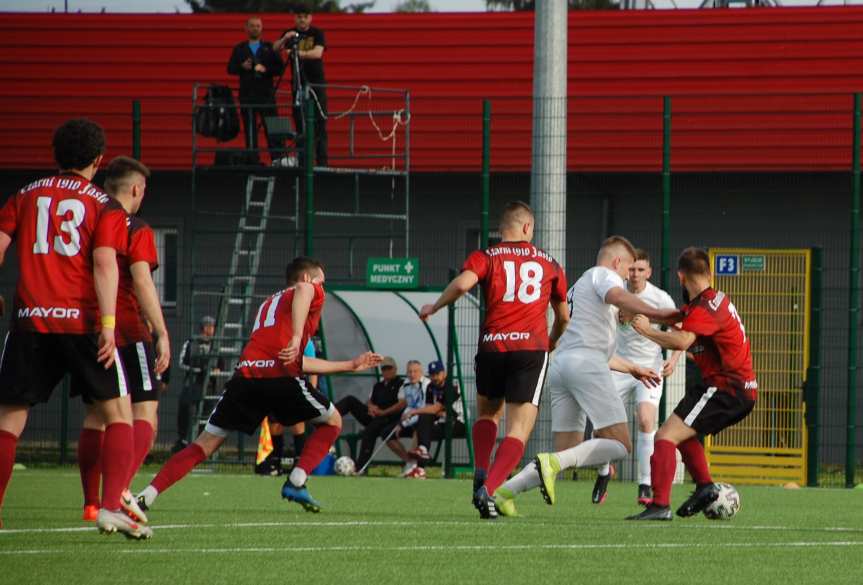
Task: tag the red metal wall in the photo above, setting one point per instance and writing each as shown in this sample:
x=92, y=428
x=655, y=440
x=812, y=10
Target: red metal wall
x=753, y=90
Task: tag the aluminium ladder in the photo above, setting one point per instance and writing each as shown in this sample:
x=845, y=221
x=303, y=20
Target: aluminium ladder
x=236, y=300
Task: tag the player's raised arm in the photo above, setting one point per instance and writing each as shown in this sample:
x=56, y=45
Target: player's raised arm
x=674, y=338
x=304, y=293
x=364, y=361
x=148, y=297
x=458, y=287
x=630, y=303
x=106, y=277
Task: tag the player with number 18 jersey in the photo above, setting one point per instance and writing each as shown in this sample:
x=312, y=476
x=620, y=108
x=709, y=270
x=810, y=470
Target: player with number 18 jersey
x=519, y=280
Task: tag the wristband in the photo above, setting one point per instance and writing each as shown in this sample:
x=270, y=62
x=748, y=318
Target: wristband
x=109, y=321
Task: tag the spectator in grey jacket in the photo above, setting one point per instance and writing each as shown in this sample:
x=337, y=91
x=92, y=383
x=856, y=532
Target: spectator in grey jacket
x=193, y=362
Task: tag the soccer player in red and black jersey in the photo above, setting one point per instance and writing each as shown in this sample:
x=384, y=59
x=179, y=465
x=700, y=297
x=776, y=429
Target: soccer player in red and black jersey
x=519, y=282
x=269, y=382
x=68, y=235
x=713, y=333
x=137, y=298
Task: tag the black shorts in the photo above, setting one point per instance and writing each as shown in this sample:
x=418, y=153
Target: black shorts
x=33, y=364
x=246, y=401
x=139, y=360
x=709, y=410
x=517, y=376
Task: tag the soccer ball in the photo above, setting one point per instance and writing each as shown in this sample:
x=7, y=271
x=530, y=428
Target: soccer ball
x=726, y=505
x=345, y=466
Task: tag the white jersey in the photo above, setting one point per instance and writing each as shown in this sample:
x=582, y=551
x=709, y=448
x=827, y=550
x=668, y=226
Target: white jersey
x=635, y=347
x=592, y=322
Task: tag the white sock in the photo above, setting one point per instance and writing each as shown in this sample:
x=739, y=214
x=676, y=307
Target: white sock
x=604, y=470
x=149, y=493
x=592, y=452
x=524, y=480
x=644, y=450
x=298, y=477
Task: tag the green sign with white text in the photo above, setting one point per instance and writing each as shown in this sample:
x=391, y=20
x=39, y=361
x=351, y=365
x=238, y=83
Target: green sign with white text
x=400, y=273
x=753, y=263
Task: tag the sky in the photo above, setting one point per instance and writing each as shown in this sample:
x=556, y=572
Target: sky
x=380, y=5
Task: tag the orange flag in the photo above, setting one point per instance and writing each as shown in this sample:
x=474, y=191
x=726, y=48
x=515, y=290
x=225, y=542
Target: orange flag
x=265, y=442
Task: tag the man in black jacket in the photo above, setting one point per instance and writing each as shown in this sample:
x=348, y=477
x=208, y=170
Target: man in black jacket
x=306, y=43
x=257, y=64
x=379, y=413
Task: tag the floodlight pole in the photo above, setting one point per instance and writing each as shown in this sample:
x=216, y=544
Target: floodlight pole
x=548, y=167
x=853, y=301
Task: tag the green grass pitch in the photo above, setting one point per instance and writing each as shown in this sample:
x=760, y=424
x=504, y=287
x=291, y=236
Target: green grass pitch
x=235, y=529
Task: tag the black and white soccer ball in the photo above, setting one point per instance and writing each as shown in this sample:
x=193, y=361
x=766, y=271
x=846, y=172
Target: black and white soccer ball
x=345, y=466
x=726, y=505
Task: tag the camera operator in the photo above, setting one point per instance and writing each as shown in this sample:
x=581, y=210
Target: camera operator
x=256, y=63
x=305, y=45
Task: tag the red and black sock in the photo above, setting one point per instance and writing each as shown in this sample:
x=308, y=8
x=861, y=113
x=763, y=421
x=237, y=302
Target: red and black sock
x=8, y=444
x=178, y=467
x=117, y=452
x=505, y=459
x=317, y=446
x=695, y=461
x=143, y=432
x=90, y=464
x=662, y=465
x=484, y=435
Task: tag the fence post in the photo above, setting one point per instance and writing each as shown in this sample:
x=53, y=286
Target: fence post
x=813, y=374
x=665, y=254
x=449, y=472
x=309, y=143
x=136, y=129
x=486, y=172
x=853, y=300
x=486, y=190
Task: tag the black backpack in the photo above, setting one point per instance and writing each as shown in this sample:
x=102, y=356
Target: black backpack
x=217, y=117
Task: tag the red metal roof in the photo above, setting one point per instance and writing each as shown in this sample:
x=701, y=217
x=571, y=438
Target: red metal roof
x=759, y=89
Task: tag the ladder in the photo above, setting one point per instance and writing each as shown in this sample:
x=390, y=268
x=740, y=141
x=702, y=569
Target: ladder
x=236, y=300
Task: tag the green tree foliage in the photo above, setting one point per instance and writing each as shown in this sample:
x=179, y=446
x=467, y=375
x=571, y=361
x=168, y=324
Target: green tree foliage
x=413, y=6
x=252, y=6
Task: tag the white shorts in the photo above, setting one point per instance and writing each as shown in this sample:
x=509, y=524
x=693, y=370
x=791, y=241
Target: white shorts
x=581, y=385
x=626, y=385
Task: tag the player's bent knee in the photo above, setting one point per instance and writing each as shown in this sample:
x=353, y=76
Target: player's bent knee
x=330, y=417
x=211, y=439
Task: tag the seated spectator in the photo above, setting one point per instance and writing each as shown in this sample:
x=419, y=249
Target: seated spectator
x=379, y=413
x=412, y=396
x=432, y=417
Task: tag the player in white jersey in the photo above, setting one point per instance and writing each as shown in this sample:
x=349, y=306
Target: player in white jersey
x=643, y=352
x=579, y=377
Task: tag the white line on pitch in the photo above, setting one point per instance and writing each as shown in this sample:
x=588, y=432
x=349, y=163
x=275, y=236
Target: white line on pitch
x=384, y=523
x=450, y=548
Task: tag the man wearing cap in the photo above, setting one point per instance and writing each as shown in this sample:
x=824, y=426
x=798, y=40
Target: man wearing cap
x=432, y=417
x=193, y=362
x=379, y=413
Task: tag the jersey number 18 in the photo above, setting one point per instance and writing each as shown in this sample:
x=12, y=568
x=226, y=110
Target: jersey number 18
x=530, y=275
